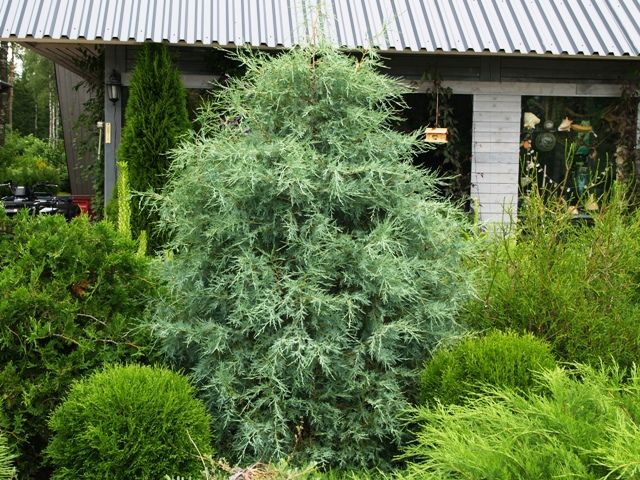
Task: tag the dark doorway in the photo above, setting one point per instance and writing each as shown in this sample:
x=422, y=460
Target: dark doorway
x=452, y=160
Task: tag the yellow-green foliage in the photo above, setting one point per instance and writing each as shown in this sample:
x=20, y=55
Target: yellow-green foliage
x=27, y=160
x=580, y=427
x=573, y=285
x=127, y=422
x=7, y=470
x=124, y=200
x=454, y=375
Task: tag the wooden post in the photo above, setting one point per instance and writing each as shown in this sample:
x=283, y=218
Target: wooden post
x=114, y=59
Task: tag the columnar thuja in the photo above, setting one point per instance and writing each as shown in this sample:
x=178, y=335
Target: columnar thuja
x=313, y=266
x=156, y=116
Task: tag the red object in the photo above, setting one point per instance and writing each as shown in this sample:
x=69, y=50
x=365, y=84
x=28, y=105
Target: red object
x=84, y=202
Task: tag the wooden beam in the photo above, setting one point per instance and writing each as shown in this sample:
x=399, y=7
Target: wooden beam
x=522, y=88
x=495, y=162
x=189, y=80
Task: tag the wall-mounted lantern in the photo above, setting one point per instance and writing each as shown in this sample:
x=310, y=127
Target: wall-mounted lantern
x=113, y=87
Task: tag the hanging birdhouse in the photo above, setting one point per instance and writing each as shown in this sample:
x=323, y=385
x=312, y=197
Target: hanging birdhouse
x=436, y=135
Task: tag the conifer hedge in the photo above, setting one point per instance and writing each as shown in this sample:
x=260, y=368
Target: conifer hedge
x=70, y=292
x=314, y=266
x=155, y=117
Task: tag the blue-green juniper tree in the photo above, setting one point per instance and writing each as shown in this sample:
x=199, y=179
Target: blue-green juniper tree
x=312, y=267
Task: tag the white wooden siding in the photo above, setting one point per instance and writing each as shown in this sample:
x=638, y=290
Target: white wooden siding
x=495, y=150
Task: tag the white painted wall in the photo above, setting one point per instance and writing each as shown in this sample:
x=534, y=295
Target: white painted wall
x=496, y=135
x=495, y=155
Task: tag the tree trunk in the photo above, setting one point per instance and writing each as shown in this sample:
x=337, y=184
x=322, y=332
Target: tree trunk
x=12, y=78
x=51, y=115
x=3, y=96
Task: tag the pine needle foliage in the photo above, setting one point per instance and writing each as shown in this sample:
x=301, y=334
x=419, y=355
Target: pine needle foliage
x=314, y=266
x=155, y=117
x=126, y=422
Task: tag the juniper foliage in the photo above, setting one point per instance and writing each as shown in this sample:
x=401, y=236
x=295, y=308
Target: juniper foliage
x=7, y=471
x=155, y=117
x=69, y=293
x=314, y=266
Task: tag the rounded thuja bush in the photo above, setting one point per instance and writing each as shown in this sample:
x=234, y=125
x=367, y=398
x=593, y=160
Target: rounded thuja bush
x=129, y=422
x=498, y=359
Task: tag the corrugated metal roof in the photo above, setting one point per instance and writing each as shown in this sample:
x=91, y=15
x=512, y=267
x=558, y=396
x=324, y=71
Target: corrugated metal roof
x=574, y=27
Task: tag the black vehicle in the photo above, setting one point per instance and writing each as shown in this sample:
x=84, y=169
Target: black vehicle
x=41, y=200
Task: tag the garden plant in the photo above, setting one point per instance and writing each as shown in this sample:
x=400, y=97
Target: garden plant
x=311, y=267
x=7, y=470
x=155, y=117
x=457, y=374
x=571, y=283
x=585, y=425
x=27, y=160
x=126, y=422
x=71, y=292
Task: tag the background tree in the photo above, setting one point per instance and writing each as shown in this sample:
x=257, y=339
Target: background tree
x=314, y=266
x=36, y=110
x=4, y=97
x=32, y=150
x=156, y=115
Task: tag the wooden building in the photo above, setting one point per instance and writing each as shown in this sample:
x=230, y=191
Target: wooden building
x=507, y=55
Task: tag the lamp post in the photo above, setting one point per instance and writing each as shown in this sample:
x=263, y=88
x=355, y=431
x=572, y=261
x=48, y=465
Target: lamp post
x=113, y=85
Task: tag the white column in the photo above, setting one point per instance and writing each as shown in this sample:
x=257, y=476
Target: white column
x=495, y=152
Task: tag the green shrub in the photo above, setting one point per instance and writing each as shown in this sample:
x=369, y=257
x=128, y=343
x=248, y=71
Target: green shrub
x=7, y=471
x=27, y=160
x=579, y=428
x=129, y=422
x=314, y=265
x=155, y=117
x=573, y=285
x=500, y=359
x=69, y=294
